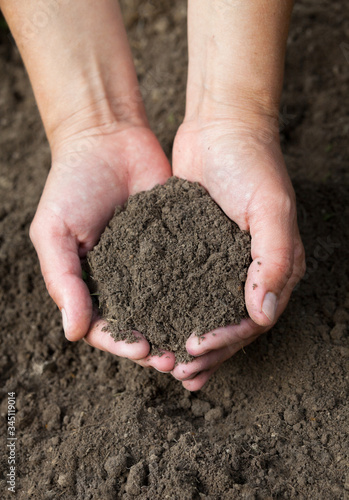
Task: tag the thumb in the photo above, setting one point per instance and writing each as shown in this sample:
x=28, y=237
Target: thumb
x=60, y=265
x=273, y=241
x=150, y=166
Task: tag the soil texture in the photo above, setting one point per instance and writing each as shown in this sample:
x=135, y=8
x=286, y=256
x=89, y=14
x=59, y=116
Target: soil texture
x=170, y=264
x=272, y=423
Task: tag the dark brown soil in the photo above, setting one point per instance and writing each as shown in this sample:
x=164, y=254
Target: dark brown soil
x=273, y=421
x=170, y=264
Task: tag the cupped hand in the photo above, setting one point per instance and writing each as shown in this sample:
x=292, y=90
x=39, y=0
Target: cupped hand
x=242, y=167
x=92, y=172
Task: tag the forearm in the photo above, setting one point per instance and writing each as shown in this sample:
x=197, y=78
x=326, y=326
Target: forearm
x=236, y=55
x=78, y=60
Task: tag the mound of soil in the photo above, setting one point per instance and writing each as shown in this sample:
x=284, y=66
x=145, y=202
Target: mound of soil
x=170, y=263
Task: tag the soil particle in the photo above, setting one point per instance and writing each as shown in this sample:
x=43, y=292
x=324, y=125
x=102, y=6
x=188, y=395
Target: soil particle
x=170, y=263
x=135, y=479
x=184, y=403
x=214, y=415
x=338, y=331
x=346, y=482
x=199, y=408
x=116, y=464
x=341, y=316
x=52, y=416
x=293, y=415
x=64, y=480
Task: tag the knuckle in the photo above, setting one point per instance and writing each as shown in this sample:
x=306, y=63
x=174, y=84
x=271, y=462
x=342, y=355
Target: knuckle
x=281, y=201
x=299, y=266
x=286, y=205
x=284, y=263
x=299, y=252
x=51, y=286
x=34, y=231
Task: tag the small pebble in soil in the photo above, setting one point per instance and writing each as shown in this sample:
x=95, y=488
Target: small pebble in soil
x=214, y=415
x=135, y=479
x=338, y=331
x=199, y=407
x=293, y=415
x=116, y=464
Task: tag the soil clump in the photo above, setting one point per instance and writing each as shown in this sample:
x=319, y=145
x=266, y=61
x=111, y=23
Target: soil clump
x=170, y=264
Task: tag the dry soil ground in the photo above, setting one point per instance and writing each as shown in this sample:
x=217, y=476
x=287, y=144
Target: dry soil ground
x=273, y=422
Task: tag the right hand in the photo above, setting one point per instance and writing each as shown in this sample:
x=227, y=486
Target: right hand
x=240, y=163
x=90, y=103
x=92, y=173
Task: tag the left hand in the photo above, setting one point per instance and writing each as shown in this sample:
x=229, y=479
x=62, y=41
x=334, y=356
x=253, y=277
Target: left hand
x=241, y=166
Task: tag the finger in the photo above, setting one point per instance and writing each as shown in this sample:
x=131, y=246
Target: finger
x=164, y=363
x=149, y=167
x=102, y=340
x=137, y=351
x=199, y=381
x=60, y=265
x=206, y=362
x=273, y=239
x=222, y=337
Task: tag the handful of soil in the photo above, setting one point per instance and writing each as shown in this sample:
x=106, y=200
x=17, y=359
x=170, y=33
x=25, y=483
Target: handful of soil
x=170, y=263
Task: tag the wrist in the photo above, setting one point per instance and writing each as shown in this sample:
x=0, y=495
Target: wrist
x=79, y=63
x=210, y=103
x=245, y=116
x=89, y=108
x=236, y=58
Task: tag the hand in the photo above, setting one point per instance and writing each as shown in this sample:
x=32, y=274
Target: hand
x=91, y=174
x=87, y=92
x=241, y=165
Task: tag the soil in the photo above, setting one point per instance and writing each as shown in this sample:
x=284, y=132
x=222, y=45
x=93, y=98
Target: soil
x=272, y=423
x=170, y=264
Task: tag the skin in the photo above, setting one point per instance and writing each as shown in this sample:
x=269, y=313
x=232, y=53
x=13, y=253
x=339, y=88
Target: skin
x=103, y=151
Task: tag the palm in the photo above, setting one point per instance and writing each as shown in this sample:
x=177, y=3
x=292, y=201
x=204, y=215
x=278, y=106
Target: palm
x=84, y=187
x=232, y=164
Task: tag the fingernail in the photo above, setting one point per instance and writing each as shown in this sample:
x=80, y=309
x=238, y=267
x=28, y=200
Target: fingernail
x=64, y=320
x=160, y=371
x=269, y=306
x=197, y=339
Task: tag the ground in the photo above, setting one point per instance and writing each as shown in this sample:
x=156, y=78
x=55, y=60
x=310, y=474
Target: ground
x=273, y=421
